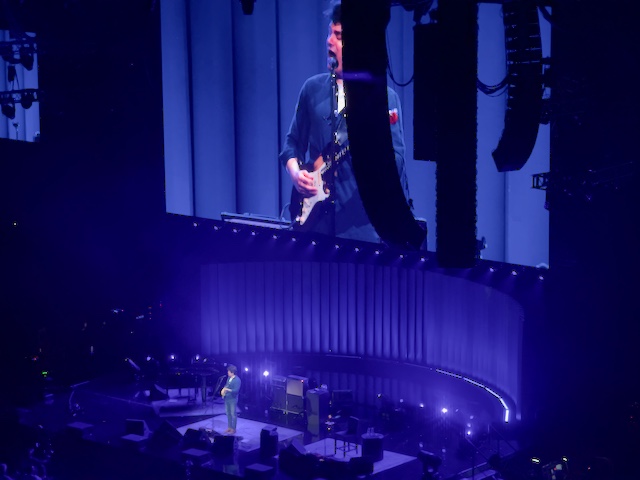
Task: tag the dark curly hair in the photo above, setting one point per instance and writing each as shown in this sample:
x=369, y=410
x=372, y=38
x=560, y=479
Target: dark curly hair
x=335, y=13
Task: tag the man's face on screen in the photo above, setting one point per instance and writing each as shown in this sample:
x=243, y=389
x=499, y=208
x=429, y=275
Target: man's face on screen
x=334, y=45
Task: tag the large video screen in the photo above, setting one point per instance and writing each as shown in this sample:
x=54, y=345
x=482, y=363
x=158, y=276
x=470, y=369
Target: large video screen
x=231, y=84
x=20, y=117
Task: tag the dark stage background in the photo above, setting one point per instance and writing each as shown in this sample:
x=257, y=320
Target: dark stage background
x=84, y=229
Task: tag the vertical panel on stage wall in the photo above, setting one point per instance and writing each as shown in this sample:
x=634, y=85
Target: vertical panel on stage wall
x=367, y=311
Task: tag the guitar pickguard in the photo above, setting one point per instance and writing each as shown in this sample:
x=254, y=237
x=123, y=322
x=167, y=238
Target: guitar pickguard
x=309, y=203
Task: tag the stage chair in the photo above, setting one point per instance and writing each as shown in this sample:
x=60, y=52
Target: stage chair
x=349, y=437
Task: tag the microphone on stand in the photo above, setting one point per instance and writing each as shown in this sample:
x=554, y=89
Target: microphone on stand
x=332, y=63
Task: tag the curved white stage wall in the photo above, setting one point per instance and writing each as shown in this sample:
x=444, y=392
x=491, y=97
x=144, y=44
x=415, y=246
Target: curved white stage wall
x=417, y=317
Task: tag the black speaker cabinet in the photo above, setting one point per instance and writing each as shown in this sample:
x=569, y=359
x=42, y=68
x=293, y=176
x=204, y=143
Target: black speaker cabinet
x=196, y=439
x=224, y=445
x=268, y=442
x=295, y=404
x=134, y=426
x=359, y=466
x=318, y=403
x=279, y=392
x=165, y=436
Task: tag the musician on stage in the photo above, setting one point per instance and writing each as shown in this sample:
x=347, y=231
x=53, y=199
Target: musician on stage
x=230, y=394
x=311, y=132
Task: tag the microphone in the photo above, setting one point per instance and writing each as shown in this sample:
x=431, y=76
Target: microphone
x=332, y=63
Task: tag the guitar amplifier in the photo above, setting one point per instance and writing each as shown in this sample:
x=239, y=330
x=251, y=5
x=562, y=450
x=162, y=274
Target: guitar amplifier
x=296, y=391
x=297, y=385
x=279, y=392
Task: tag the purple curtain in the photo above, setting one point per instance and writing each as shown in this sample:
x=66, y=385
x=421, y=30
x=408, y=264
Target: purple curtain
x=416, y=317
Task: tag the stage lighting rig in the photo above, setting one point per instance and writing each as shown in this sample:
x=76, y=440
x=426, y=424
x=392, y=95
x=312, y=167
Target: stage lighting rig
x=9, y=110
x=25, y=97
x=19, y=51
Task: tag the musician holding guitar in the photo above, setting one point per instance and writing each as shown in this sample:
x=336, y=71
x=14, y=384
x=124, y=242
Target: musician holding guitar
x=230, y=395
x=325, y=196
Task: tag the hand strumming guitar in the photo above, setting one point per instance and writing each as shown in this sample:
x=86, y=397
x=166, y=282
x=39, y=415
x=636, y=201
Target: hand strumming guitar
x=302, y=180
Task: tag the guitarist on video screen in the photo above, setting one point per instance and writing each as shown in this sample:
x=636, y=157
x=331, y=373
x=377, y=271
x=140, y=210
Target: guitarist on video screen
x=325, y=196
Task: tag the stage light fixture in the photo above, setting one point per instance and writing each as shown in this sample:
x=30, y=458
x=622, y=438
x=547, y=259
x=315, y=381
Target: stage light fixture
x=444, y=410
x=9, y=110
x=26, y=100
x=246, y=369
x=265, y=373
x=6, y=52
x=26, y=57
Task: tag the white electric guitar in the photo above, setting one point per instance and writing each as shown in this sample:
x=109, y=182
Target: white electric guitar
x=305, y=210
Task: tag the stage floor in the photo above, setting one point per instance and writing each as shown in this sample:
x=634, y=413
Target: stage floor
x=390, y=460
x=248, y=440
x=247, y=431
x=107, y=402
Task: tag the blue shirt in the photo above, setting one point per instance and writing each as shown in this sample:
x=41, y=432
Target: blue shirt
x=233, y=384
x=310, y=133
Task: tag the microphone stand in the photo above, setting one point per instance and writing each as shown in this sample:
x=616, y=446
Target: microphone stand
x=219, y=383
x=333, y=64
